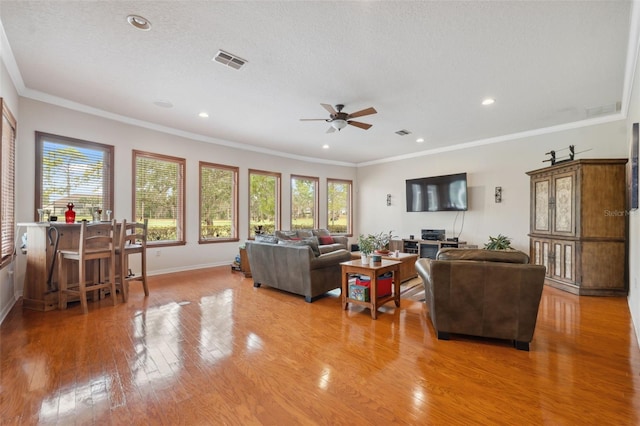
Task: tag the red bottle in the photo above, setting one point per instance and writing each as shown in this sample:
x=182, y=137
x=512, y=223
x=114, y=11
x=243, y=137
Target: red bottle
x=70, y=215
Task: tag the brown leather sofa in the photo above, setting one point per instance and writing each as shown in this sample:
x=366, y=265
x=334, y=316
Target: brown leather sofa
x=487, y=293
x=296, y=267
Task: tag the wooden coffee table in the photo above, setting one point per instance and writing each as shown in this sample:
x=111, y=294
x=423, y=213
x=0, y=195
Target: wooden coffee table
x=372, y=271
x=407, y=264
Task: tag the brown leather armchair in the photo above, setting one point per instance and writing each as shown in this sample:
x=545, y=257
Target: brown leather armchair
x=484, y=293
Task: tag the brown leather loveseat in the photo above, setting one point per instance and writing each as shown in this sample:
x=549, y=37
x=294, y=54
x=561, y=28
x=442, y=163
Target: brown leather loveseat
x=488, y=293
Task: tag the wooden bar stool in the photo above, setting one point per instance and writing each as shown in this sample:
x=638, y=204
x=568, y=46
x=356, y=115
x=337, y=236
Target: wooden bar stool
x=133, y=240
x=96, y=244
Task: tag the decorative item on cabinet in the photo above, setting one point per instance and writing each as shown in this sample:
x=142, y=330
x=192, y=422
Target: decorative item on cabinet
x=70, y=215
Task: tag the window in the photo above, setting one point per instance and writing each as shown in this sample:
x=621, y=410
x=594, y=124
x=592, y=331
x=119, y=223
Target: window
x=218, y=202
x=339, y=206
x=7, y=183
x=264, y=202
x=72, y=171
x=158, y=195
x=304, y=202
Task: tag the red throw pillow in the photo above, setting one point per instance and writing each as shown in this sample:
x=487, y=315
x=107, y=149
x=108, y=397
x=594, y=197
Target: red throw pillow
x=326, y=240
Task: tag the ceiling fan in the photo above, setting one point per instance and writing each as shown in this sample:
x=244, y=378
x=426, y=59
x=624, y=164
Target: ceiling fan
x=339, y=119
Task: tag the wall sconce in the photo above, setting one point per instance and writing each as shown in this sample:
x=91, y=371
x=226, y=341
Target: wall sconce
x=388, y=199
x=498, y=194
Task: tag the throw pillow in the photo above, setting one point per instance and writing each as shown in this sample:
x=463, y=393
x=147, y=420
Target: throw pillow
x=286, y=235
x=325, y=240
x=321, y=232
x=305, y=233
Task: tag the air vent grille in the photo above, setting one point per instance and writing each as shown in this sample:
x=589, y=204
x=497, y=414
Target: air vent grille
x=229, y=60
x=403, y=132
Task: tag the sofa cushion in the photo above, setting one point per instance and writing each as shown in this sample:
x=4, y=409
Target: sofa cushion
x=286, y=235
x=311, y=242
x=304, y=233
x=505, y=256
x=321, y=232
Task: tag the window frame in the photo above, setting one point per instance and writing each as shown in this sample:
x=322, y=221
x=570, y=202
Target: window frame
x=181, y=185
x=108, y=182
x=234, y=202
x=7, y=243
x=348, y=182
x=277, y=220
x=316, y=199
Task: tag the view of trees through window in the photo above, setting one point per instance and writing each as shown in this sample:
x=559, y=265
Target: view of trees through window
x=72, y=171
x=304, y=204
x=218, y=202
x=159, y=196
x=264, y=202
x=339, y=206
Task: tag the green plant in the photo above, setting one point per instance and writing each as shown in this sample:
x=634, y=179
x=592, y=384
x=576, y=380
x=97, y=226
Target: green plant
x=498, y=243
x=366, y=244
x=382, y=240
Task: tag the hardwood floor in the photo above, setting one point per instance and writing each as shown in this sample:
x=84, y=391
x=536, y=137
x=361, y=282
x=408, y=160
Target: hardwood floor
x=207, y=348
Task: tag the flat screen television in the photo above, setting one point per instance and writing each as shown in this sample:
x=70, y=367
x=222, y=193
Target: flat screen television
x=437, y=193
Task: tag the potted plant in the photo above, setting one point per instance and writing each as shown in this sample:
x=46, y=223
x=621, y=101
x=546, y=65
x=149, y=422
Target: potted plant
x=498, y=243
x=366, y=244
x=382, y=241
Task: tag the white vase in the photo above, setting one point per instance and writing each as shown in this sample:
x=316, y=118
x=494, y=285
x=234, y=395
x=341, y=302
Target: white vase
x=364, y=259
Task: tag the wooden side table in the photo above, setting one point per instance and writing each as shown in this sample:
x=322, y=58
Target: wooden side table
x=372, y=271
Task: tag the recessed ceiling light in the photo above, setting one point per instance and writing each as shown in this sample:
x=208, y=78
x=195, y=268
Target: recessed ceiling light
x=420, y=140
x=139, y=22
x=203, y=115
x=325, y=146
x=163, y=103
x=488, y=101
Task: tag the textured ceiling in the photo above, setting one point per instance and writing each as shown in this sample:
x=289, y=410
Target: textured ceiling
x=425, y=67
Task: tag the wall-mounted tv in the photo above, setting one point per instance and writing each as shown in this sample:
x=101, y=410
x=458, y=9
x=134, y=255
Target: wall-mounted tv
x=437, y=193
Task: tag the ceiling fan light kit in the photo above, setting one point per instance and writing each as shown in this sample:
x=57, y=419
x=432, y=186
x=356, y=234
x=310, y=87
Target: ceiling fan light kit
x=339, y=120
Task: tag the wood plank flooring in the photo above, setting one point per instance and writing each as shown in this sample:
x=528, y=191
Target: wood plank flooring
x=207, y=348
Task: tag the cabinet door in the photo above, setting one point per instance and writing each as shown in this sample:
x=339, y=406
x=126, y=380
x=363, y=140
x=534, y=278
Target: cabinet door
x=541, y=253
x=563, y=204
x=541, y=208
x=563, y=261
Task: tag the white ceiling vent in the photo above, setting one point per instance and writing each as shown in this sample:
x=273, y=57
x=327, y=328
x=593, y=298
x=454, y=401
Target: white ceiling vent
x=228, y=59
x=403, y=132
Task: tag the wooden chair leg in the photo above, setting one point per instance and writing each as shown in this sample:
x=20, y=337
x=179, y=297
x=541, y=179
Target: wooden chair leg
x=112, y=280
x=124, y=283
x=144, y=273
x=82, y=287
x=62, y=283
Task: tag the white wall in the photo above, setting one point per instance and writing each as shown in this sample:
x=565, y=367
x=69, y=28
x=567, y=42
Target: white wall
x=501, y=164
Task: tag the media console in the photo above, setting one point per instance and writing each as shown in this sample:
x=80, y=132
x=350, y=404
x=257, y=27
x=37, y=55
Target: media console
x=428, y=248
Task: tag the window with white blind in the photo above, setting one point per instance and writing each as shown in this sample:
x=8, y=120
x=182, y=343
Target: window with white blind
x=339, y=206
x=72, y=171
x=304, y=202
x=7, y=183
x=218, y=203
x=158, y=195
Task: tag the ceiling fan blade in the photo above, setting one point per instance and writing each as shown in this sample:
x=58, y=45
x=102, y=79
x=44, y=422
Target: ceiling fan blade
x=313, y=119
x=363, y=112
x=329, y=108
x=331, y=129
x=364, y=126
